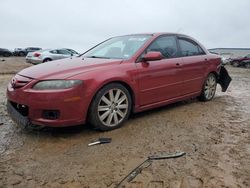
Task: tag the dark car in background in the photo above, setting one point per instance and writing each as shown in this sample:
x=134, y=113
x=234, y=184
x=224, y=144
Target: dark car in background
x=5, y=52
x=241, y=61
x=25, y=51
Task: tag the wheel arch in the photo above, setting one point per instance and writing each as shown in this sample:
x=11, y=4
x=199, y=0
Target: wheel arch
x=216, y=74
x=46, y=59
x=123, y=83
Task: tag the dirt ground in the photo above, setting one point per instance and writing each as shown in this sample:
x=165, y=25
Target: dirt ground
x=215, y=135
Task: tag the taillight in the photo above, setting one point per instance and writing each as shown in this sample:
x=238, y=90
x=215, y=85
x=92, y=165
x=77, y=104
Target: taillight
x=37, y=54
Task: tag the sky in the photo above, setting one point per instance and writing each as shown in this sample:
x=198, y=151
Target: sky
x=80, y=24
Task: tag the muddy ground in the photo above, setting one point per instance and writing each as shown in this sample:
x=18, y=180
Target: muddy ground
x=215, y=135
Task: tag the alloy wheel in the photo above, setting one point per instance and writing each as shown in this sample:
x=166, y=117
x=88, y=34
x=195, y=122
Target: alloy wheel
x=113, y=107
x=210, y=87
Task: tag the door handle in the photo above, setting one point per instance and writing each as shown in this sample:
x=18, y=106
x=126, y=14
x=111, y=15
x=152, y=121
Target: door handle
x=178, y=65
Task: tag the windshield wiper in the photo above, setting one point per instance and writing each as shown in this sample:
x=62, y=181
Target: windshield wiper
x=93, y=56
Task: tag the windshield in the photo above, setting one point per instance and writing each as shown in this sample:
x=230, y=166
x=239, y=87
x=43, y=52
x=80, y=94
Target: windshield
x=118, y=47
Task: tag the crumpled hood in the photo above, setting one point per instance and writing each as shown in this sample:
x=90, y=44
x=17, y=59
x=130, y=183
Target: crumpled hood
x=65, y=68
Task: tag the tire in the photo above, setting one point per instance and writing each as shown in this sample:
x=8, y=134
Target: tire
x=235, y=63
x=46, y=60
x=6, y=54
x=209, y=88
x=21, y=54
x=110, y=107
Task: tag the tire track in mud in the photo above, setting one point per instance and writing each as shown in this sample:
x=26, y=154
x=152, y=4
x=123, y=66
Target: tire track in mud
x=234, y=161
x=215, y=136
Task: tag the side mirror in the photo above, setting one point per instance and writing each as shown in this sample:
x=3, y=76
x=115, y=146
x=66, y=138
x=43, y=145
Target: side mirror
x=152, y=56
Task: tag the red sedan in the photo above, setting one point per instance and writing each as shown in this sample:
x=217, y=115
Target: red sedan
x=121, y=75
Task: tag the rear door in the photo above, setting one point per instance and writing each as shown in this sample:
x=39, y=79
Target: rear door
x=54, y=54
x=160, y=80
x=193, y=67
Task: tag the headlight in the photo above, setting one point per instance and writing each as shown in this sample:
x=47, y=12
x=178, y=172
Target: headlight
x=56, y=84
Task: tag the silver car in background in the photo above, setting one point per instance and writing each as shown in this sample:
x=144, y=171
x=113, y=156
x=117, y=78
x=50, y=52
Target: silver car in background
x=46, y=55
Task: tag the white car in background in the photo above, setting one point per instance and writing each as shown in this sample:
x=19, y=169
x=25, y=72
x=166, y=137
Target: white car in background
x=46, y=55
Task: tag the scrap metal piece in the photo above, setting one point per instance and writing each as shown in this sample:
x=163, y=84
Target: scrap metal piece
x=224, y=79
x=138, y=170
x=167, y=156
x=146, y=164
x=100, y=141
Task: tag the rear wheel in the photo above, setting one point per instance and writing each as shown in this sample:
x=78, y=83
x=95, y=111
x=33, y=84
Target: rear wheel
x=235, y=63
x=6, y=54
x=209, y=88
x=46, y=60
x=110, y=107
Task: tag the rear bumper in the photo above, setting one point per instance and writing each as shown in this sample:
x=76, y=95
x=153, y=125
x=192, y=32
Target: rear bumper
x=224, y=79
x=33, y=61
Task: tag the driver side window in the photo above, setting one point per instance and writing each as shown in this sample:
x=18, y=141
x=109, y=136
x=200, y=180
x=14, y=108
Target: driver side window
x=166, y=45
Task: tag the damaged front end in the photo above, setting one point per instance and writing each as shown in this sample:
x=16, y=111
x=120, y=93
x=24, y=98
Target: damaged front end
x=224, y=79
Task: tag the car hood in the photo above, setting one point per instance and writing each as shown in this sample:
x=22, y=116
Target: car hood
x=65, y=68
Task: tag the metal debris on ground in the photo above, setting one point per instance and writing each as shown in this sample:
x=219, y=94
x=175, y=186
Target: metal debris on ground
x=100, y=141
x=146, y=164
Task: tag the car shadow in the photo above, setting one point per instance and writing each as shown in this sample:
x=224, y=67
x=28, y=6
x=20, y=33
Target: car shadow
x=67, y=132
x=163, y=108
x=64, y=132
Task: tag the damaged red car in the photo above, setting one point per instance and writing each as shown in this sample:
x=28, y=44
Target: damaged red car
x=120, y=76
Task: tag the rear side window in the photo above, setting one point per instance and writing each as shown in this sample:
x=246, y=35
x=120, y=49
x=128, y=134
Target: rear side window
x=53, y=51
x=190, y=48
x=166, y=45
x=65, y=52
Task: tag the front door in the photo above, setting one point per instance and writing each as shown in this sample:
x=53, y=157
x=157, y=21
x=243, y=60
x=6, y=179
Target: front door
x=160, y=80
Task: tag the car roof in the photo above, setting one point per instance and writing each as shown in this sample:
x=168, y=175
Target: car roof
x=157, y=34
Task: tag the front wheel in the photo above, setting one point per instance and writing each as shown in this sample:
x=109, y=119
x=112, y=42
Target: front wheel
x=209, y=88
x=110, y=107
x=6, y=54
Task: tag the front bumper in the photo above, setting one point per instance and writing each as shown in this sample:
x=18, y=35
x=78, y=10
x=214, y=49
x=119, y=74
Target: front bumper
x=69, y=103
x=16, y=116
